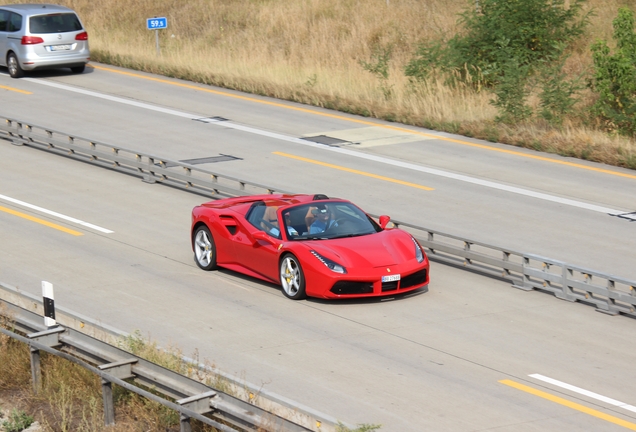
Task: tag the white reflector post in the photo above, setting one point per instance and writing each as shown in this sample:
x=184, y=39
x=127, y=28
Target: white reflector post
x=49, y=304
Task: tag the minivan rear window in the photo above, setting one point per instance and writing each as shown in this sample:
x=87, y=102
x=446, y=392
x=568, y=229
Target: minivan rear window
x=54, y=23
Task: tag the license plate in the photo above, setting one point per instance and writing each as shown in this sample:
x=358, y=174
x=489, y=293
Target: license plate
x=391, y=278
x=60, y=47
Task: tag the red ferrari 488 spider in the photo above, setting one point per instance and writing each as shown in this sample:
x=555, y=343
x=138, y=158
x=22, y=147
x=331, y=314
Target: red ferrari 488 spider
x=311, y=244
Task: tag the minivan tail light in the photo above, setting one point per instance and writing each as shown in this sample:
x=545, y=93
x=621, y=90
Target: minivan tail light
x=81, y=36
x=31, y=40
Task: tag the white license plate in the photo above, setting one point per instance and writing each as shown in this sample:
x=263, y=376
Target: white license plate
x=391, y=278
x=60, y=47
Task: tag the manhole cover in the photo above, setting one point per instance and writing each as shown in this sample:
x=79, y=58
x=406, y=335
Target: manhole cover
x=205, y=160
x=327, y=140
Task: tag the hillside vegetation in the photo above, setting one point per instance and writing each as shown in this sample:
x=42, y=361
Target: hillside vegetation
x=351, y=55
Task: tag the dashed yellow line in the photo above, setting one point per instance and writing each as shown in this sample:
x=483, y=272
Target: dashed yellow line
x=41, y=221
x=16, y=90
x=341, y=168
x=369, y=123
x=570, y=404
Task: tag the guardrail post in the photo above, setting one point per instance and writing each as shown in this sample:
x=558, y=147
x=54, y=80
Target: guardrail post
x=505, y=259
x=467, y=245
x=122, y=370
x=149, y=175
x=566, y=290
x=198, y=403
x=609, y=307
x=109, y=407
x=49, y=338
x=184, y=422
x=11, y=134
x=36, y=373
x=525, y=278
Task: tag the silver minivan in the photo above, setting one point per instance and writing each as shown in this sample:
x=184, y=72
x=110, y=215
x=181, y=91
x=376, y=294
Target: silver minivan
x=41, y=36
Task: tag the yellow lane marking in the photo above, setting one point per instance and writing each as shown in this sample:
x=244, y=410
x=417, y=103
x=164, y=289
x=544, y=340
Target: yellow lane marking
x=41, y=221
x=354, y=171
x=15, y=90
x=369, y=123
x=570, y=404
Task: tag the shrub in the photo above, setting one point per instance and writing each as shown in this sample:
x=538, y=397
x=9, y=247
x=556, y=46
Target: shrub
x=496, y=32
x=615, y=77
x=503, y=46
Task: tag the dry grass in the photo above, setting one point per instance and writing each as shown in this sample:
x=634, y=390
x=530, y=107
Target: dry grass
x=309, y=51
x=70, y=397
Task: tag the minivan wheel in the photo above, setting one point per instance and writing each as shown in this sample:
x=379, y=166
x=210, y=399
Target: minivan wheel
x=78, y=69
x=14, y=67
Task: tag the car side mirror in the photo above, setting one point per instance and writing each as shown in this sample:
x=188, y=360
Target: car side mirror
x=384, y=221
x=260, y=235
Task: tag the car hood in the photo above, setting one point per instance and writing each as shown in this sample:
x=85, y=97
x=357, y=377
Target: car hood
x=381, y=249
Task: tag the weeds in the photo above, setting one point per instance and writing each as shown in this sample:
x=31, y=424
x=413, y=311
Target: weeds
x=379, y=66
x=361, y=428
x=70, y=398
x=17, y=421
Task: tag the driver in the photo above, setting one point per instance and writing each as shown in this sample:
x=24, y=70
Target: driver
x=322, y=219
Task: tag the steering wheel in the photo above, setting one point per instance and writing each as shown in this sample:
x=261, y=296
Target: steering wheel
x=341, y=221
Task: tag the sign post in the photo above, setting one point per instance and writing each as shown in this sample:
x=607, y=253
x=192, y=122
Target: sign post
x=49, y=304
x=156, y=24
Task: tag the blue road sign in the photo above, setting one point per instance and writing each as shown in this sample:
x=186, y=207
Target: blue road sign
x=157, y=23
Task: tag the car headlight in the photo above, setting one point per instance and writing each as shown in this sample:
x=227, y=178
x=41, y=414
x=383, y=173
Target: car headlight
x=419, y=254
x=331, y=265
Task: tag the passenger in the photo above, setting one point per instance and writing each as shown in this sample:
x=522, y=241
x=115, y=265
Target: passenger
x=270, y=219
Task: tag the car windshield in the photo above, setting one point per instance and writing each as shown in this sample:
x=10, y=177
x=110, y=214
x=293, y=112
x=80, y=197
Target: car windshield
x=328, y=220
x=54, y=23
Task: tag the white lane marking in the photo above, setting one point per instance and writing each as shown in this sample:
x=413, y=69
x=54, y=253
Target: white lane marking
x=379, y=159
x=584, y=392
x=55, y=214
x=112, y=98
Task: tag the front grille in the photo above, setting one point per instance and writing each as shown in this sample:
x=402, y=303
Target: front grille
x=416, y=278
x=389, y=286
x=350, y=287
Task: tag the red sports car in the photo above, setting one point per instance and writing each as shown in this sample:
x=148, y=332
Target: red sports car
x=311, y=244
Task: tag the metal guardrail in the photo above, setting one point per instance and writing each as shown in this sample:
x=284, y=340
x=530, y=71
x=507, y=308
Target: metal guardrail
x=87, y=343
x=151, y=168
x=608, y=293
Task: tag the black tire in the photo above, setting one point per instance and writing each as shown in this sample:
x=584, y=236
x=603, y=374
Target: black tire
x=15, y=70
x=204, y=248
x=292, y=278
x=78, y=69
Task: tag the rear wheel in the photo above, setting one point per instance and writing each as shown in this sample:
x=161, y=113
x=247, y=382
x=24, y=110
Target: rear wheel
x=204, y=248
x=292, y=278
x=14, y=66
x=78, y=69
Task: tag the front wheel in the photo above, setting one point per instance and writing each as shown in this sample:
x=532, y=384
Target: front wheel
x=292, y=278
x=204, y=248
x=14, y=66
